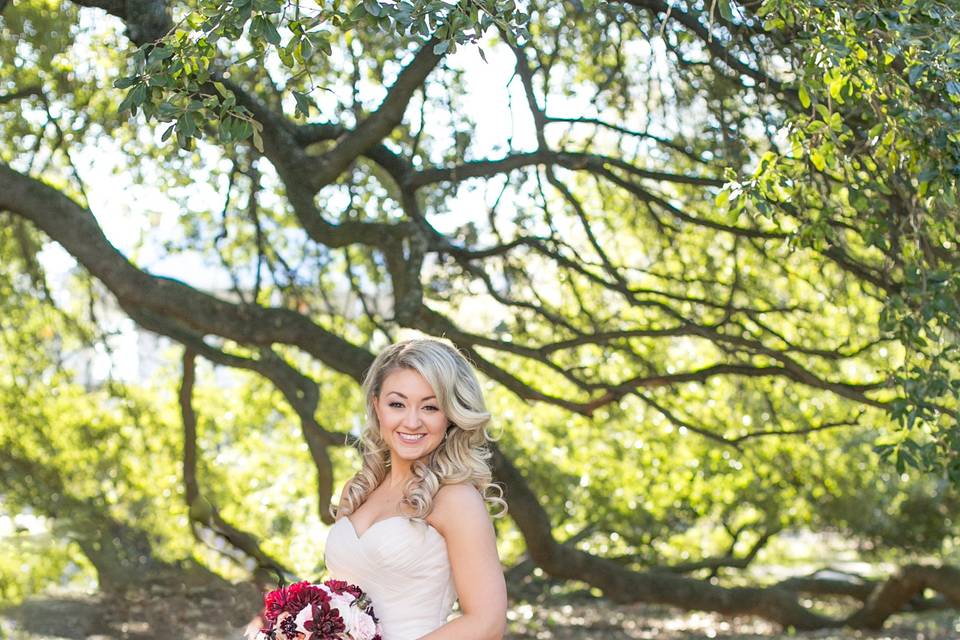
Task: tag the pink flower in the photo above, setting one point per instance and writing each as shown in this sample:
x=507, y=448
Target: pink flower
x=362, y=627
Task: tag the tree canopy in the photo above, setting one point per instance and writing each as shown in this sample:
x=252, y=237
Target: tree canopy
x=702, y=253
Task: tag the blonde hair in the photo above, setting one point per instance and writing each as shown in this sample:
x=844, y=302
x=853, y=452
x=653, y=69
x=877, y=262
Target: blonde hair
x=461, y=457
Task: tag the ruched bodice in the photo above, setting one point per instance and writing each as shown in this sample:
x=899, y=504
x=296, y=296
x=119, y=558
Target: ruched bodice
x=403, y=566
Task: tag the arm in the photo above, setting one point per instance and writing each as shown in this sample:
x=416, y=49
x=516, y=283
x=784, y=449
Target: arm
x=460, y=515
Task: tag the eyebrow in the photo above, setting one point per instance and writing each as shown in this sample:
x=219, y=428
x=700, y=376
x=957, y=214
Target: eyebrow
x=405, y=397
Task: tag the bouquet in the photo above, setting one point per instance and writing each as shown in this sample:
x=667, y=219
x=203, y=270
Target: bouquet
x=331, y=610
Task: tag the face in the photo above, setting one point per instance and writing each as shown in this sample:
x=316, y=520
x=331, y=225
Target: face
x=411, y=422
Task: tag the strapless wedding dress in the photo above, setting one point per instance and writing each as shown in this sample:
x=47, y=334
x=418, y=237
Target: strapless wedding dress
x=402, y=565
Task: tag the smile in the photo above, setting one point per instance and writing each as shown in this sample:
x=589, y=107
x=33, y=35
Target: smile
x=411, y=437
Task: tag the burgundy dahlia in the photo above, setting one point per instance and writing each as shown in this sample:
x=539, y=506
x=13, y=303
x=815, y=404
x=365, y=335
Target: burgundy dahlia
x=340, y=587
x=326, y=622
x=304, y=594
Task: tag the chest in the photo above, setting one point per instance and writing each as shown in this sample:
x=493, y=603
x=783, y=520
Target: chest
x=379, y=505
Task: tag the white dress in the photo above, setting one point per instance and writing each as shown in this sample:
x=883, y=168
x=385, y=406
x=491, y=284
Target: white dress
x=402, y=565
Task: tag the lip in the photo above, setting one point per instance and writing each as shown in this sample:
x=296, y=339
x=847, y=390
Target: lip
x=407, y=440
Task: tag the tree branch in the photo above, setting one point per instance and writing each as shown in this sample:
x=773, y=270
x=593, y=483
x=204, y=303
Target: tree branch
x=202, y=512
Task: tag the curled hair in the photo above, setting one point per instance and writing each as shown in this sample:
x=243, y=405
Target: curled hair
x=461, y=457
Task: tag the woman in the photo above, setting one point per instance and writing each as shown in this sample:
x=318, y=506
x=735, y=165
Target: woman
x=412, y=526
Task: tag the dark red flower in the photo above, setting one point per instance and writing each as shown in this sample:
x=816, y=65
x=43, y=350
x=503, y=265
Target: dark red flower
x=288, y=627
x=304, y=594
x=273, y=604
x=292, y=599
x=341, y=586
x=326, y=623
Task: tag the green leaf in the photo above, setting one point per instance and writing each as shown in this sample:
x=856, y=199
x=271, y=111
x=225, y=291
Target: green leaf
x=134, y=98
x=128, y=81
x=358, y=12
x=304, y=102
x=324, y=45
x=915, y=72
x=225, y=132
x=185, y=125
x=268, y=6
x=804, y=97
x=242, y=130
x=305, y=49
x=818, y=160
x=270, y=31
x=726, y=9
x=159, y=54
x=166, y=110
x=722, y=199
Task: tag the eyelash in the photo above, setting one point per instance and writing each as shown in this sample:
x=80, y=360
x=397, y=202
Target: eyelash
x=400, y=404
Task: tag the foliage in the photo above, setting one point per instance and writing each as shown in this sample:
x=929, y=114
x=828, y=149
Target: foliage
x=175, y=77
x=676, y=369
x=870, y=172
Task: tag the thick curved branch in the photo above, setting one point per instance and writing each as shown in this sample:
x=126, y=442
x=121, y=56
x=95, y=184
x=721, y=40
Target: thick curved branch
x=377, y=125
x=623, y=584
x=202, y=512
x=896, y=592
x=779, y=603
x=146, y=20
x=76, y=229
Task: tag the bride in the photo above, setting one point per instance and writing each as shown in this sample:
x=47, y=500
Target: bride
x=412, y=527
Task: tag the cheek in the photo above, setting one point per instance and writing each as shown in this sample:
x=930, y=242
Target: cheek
x=439, y=424
x=381, y=416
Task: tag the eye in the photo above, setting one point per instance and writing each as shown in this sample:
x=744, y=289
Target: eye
x=396, y=404
x=430, y=407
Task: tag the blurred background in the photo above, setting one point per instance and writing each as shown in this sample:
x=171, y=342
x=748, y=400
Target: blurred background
x=701, y=253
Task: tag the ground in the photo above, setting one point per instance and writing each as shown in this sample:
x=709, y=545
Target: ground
x=204, y=614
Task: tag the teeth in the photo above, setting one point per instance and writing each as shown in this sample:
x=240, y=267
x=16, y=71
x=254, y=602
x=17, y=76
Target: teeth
x=407, y=437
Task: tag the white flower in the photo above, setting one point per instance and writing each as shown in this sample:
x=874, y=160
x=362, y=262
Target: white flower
x=305, y=614
x=362, y=626
x=342, y=602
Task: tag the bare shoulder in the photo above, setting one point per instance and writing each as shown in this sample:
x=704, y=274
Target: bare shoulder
x=456, y=505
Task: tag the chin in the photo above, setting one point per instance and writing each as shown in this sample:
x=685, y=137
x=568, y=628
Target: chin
x=418, y=454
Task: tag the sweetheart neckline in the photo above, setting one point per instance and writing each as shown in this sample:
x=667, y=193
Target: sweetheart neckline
x=360, y=536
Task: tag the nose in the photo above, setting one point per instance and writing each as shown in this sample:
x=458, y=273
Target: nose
x=411, y=418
